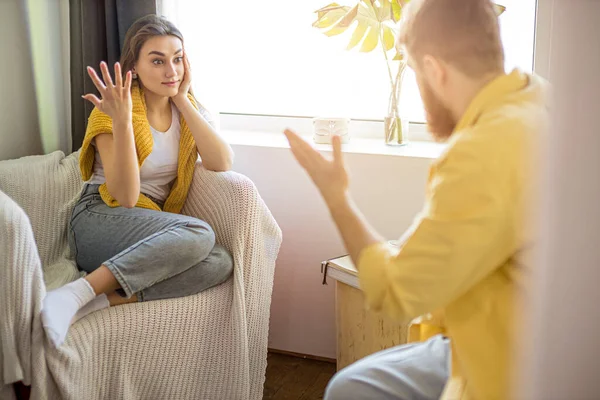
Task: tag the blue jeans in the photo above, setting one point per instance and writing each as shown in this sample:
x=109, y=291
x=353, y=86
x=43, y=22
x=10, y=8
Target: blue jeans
x=153, y=254
x=416, y=371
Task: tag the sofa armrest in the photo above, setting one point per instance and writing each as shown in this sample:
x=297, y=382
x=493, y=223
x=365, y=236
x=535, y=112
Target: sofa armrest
x=212, y=345
x=230, y=203
x=232, y=206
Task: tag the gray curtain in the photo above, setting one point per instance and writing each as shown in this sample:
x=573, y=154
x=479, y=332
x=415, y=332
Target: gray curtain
x=98, y=29
x=35, y=103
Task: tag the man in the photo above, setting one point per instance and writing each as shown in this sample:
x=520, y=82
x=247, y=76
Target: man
x=465, y=259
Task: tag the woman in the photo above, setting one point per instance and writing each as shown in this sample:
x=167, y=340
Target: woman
x=137, y=158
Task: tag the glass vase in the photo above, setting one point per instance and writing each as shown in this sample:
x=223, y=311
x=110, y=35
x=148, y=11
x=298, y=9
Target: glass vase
x=396, y=129
x=395, y=126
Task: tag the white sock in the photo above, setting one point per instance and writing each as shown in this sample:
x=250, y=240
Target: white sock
x=99, y=302
x=61, y=305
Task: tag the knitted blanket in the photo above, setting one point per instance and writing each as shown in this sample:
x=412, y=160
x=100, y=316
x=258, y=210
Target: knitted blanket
x=212, y=345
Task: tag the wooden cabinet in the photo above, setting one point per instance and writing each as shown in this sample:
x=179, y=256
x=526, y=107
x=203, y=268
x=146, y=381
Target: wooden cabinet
x=360, y=332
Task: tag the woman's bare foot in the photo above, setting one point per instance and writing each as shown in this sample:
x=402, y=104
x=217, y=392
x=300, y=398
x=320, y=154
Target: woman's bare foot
x=102, y=280
x=114, y=299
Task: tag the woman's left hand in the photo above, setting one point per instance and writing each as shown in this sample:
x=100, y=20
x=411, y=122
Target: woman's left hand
x=186, y=83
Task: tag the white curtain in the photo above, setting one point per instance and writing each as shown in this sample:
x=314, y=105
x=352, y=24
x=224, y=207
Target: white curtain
x=198, y=46
x=563, y=355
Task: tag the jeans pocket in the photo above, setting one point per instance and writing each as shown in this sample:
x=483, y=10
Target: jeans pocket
x=92, y=201
x=80, y=207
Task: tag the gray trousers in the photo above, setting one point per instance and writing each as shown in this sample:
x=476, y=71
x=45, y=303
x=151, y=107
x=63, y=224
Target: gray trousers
x=416, y=371
x=153, y=254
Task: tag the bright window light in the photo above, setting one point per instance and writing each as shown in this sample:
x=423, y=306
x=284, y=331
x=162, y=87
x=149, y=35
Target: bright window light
x=264, y=57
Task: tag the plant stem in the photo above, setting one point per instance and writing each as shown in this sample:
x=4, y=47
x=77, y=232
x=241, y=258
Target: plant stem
x=392, y=82
x=398, y=82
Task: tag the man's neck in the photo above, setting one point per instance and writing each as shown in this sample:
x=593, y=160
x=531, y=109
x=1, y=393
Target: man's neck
x=469, y=89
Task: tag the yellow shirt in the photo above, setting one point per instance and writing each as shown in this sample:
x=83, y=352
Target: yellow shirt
x=466, y=258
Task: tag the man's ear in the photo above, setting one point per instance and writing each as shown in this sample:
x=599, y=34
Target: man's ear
x=435, y=70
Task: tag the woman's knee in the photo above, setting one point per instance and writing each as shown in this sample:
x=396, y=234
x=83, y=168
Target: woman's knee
x=343, y=386
x=198, y=238
x=356, y=381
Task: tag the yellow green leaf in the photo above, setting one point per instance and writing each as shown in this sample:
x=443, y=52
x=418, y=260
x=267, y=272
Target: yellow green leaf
x=499, y=9
x=342, y=23
x=399, y=56
x=384, y=11
x=357, y=36
x=336, y=30
x=330, y=17
x=374, y=20
x=371, y=40
x=389, y=38
x=369, y=17
x=322, y=11
x=396, y=10
x=349, y=17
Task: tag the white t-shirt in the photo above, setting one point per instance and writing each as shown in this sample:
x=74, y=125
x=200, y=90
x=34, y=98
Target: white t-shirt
x=160, y=168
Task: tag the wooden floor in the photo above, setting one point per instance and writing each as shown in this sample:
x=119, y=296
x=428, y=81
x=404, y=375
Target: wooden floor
x=295, y=378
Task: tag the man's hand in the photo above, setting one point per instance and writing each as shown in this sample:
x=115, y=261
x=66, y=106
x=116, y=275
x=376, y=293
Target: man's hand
x=330, y=177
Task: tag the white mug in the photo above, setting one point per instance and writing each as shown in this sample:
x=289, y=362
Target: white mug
x=324, y=128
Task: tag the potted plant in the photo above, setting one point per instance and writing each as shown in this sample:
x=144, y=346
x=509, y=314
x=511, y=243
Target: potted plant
x=376, y=27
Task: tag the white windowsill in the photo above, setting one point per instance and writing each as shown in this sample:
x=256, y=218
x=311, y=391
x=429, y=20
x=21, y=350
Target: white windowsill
x=356, y=145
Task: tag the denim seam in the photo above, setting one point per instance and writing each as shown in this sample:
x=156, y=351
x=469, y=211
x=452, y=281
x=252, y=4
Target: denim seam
x=72, y=220
x=153, y=218
x=73, y=215
x=74, y=241
x=85, y=203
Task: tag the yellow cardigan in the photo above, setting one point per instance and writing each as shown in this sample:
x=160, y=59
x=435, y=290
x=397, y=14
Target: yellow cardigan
x=99, y=123
x=466, y=262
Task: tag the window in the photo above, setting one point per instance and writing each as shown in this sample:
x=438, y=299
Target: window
x=265, y=58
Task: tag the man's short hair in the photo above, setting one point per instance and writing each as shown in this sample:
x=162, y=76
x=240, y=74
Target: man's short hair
x=463, y=33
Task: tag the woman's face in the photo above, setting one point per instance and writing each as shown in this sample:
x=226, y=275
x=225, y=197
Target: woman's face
x=160, y=65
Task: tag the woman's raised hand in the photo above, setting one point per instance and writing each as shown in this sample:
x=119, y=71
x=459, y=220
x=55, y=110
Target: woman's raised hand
x=116, y=97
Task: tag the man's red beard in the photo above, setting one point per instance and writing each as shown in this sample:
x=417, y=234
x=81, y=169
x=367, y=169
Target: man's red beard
x=440, y=121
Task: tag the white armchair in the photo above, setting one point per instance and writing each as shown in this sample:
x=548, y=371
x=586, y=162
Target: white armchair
x=212, y=345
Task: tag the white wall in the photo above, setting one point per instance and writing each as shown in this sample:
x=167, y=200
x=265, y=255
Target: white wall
x=388, y=189
x=563, y=360
x=19, y=133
